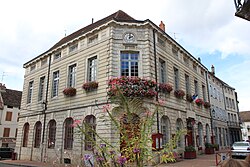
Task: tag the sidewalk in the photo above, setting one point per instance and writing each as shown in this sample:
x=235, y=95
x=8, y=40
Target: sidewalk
x=203, y=160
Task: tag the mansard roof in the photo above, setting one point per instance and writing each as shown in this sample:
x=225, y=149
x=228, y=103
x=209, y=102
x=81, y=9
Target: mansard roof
x=119, y=16
x=245, y=116
x=12, y=98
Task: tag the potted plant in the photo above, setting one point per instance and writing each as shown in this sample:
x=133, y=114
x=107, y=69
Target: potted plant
x=69, y=92
x=206, y=104
x=179, y=93
x=209, y=149
x=199, y=102
x=216, y=147
x=190, y=152
x=189, y=98
x=88, y=86
x=165, y=87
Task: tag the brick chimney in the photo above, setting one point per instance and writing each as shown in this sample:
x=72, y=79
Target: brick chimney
x=162, y=26
x=212, y=70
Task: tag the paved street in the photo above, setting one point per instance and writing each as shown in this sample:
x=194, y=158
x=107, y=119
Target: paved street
x=201, y=161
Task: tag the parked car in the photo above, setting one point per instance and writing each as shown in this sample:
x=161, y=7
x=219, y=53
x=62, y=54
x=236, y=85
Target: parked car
x=240, y=149
x=6, y=152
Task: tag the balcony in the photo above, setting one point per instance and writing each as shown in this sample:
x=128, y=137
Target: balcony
x=231, y=124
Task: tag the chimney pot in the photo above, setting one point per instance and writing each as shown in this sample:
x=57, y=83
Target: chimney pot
x=162, y=26
x=212, y=70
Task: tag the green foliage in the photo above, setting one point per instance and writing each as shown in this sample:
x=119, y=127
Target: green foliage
x=208, y=145
x=168, y=154
x=190, y=148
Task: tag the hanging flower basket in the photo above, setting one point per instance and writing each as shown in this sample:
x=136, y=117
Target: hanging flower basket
x=89, y=86
x=189, y=98
x=165, y=87
x=199, y=102
x=179, y=93
x=69, y=91
x=206, y=104
x=132, y=87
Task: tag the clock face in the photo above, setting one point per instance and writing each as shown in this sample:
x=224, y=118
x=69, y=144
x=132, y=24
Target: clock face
x=129, y=37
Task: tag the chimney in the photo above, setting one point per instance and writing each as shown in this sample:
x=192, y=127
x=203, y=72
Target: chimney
x=2, y=88
x=212, y=70
x=162, y=26
x=199, y=59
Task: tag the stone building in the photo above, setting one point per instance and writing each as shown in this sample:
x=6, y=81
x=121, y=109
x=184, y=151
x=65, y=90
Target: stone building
x=231, y=106
x=10, y=101
x=115, y=46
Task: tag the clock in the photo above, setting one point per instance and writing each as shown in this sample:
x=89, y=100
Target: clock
x=129, y=37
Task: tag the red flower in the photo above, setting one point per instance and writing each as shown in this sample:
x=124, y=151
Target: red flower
x=179, y=93
x=69, y=91
x=199, y=102
x=165, y=87
x=206, y=104
x=88, y=86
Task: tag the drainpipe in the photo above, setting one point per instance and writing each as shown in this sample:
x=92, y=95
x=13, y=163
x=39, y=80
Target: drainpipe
x=43, y=151
x=156, y=79
x=211, y=117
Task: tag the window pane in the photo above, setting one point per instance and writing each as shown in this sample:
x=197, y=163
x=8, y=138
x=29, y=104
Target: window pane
x=129, y=63
x=55, y=84
x=72, y=76
x=92, y=69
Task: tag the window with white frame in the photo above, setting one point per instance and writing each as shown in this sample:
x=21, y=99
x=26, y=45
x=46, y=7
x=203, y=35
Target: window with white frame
x=233, y=104
x=129, y=63
x=41, y=88
x=30, y=91
x=92, y=69
x=73, y=48
x=162, y=71
x=72, y=76
x=176, y=78
x=55, y=83
x=93, y=39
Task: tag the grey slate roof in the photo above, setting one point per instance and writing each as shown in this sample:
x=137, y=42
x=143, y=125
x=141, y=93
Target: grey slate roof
x=12, y=97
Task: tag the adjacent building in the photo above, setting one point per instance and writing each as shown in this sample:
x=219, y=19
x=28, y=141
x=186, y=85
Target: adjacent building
x=10, y=101
x=69, y=81
x=245, y=120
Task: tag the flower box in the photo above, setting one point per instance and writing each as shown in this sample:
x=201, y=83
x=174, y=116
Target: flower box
x=89, y=86
x=132, y=87
x=199, y=102
x=165, y=87
x=179, y=93
x=206, y=104
x=69, y=92
x=209, y=148
x=189, y=98
x=190, y=152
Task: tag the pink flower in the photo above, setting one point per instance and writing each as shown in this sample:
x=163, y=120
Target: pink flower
x=161, y=101
x=76, y=123
x=148, y=113
x=106, y=107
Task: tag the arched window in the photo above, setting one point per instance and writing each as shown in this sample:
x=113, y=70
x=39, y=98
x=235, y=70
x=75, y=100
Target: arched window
x=90, y=128
x=200, y=133
x=38, y=132
x=165, y=129
x=68, y=133
x=51, y=134
x=26, y=128
x=179, y=126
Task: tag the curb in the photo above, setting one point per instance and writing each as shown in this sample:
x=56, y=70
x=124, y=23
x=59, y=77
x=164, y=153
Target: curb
x=16, y=164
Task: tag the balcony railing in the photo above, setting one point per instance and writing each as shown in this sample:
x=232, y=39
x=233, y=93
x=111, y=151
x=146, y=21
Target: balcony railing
x=233, y=124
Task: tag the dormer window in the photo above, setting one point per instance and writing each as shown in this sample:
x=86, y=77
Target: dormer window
x=33, y=67
x=44, y=61
x=57, y=55
x=73, y=48
x=93, y=39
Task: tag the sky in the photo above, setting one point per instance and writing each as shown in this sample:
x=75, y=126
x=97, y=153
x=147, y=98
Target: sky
x=208, y=30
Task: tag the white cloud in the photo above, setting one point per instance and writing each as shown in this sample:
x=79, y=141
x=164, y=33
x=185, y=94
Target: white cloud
x=31, y=27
